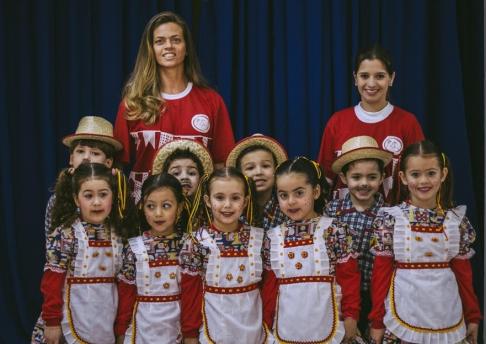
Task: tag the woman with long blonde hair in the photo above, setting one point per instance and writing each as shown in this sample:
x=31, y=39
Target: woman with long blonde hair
x=167, y=98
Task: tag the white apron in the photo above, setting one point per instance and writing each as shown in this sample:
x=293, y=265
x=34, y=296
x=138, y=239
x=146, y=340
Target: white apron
x=423, y=304
x=309, y=299
x=90, y=293
x=156, y=313
x=232, y=306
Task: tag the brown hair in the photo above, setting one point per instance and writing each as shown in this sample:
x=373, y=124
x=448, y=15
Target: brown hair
x=64, y=211
x=426, y=148
x=105, y=147
x=142, y=91
x=375, y=52
x=199, y=206
x=313, y=172
x=158, y=181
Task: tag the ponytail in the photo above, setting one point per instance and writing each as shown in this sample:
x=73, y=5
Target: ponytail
x=427, y=148
x=315, y=176
x=65, y=211
x=200, y=211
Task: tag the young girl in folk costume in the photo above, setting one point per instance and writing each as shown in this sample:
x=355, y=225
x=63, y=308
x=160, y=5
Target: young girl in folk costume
x=311, y=280
x=392, y=127
x=361, y=167
x=257, y=157
x=422, y=279
x=149, y=280
x=80, y=294
x=186, y=160
x=222, y=266
x=91, y=142
x=167, y=98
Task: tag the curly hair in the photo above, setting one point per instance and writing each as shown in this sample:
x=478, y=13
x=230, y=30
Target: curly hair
x=65, y=211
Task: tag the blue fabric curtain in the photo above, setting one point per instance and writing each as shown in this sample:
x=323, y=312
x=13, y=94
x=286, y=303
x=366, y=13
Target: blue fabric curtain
x=283, y=67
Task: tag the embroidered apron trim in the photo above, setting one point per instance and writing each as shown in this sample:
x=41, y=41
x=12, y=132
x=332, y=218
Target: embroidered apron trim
x=298, y=243
x=134, y=323
x=99, y=243
x=170, y=298
x=415, y=328
x=235, y=290
x=305, y=279
x=431, y=265
x=228, y=254
x=163, y=262
x=334, y=323
x=90, y=280
x=427, y=229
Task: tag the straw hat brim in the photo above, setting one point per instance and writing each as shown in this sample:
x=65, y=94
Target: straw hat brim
x=361, y=153
x=197, y=149
x=95, y=137
x=261, y=140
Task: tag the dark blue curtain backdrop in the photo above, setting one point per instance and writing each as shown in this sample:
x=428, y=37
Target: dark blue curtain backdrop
x=283, y=67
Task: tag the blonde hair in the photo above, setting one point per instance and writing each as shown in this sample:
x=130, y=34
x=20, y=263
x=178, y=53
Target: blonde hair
x=142, y=90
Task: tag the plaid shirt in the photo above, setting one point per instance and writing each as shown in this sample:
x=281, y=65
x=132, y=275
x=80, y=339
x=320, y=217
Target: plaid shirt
x=272, y=215
x=360, y=227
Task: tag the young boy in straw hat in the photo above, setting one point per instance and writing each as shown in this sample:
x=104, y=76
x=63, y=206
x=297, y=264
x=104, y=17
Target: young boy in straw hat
x=257, y=157
x=92, y=141
x=186, y=160
x=361, y=167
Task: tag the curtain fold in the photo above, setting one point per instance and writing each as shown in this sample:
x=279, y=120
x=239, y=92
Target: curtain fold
x=282, y=66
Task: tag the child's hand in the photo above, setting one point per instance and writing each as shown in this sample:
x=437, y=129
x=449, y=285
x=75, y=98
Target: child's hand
x=191, y=341
x=120, y=339
x=350, y=329
x=53, y=334
x=377, y=334
x=472, y=333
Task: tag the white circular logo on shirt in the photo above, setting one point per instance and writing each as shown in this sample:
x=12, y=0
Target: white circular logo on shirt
x=393, y=144
x=200, y=122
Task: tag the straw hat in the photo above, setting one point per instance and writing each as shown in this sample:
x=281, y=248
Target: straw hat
x=194, y=147
x=94, y=128
x=360, y=147
x=257, y=139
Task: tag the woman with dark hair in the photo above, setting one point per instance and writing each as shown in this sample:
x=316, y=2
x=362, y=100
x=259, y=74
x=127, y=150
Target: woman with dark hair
x=166, y=98
x=392, y=127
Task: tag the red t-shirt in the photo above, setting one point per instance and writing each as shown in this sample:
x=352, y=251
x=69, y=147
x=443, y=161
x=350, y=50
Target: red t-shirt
x=393, y=129
x=196, y=113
